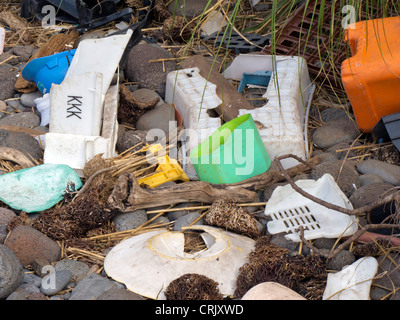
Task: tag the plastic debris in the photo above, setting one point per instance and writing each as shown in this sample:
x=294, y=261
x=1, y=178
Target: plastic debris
x=388, y=129
x=193, y=96
x=37, y=188
x=289, y=210
x=353, y=282
x=214, y=22
x=2, y=38
x=233, y=153
x=167, y=170
x=256, y=79
x=289, y=94
x=149, y=262
x=47, y=70
x=375, y=70
x=43, y=106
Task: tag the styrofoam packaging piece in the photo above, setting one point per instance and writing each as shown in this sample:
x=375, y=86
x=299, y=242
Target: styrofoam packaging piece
x=75, y=150
x=89, y=76
x=289, y=93
x=76, y=106
x=353, y=282
x=289, y=210
x=2, y=39
x=193, y=96
x=100, y=55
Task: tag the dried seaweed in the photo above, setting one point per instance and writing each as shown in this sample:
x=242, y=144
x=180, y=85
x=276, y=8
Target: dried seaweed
x=192, y=286
x=267, y=262
x=373, y=249
x=227, y=214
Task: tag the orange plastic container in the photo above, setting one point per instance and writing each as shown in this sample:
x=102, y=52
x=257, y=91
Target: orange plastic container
x=371, y=77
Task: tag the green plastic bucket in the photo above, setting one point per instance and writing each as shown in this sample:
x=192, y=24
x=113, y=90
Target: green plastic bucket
x=232, y=153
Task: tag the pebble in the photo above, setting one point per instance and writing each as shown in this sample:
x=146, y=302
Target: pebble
x=130, y=220
x=119, y=294
x=130, y=138
x=348, y=181
x=329, y=114
x=390, y=279
x=271, y=291
x=29, y=244
x=186, y=220
x=334, y=132
x=8, y=77
x=28, y=99
x=158, y=118
x=149, y=75
x=11, y=272
x=390, y=173
x=91, y=287
x=21, y=119
x=342, y=259
x=54, y=282
x=370, y=178
x=22, y=142
x=77, y=268
x=6, y=215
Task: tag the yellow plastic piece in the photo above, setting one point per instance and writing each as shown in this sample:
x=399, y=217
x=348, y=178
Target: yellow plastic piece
x=168, y=169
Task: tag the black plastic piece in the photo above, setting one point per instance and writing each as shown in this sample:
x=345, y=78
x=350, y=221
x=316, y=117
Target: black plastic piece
x=388, y=129
x=238, y=43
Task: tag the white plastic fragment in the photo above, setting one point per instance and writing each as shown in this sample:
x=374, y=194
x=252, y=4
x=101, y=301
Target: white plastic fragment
x=289, y=94
x=353, y=282
x=43, y=106
x=2, y=39
x=76, y=150
x=289, y=210
x=193, y=97
x=215, y=21
x=147, y=263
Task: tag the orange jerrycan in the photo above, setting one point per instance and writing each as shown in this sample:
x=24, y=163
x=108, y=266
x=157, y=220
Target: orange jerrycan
x=371, y=77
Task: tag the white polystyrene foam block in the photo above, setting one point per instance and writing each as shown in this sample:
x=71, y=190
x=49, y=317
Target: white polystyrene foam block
x=353, y=282
x=289, y=210
x=2, y=39
x=288, y=94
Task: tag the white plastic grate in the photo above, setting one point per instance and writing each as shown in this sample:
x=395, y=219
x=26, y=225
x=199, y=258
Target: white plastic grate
x=289, y=210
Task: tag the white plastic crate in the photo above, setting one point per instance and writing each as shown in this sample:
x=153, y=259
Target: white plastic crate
x=289, y=95
x=193, y=95
x=289, y=210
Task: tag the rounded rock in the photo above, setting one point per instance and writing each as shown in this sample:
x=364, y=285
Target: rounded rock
x=22, y=142
x=271, y=291
x=6, y=215
x=390, y=173
x=54, y=282
x=21, y=119
x=11, y=272
x=77, y=268
x=334, y=132
x=187, y=220
x=28, y=99
x=29, y=244
x=130, y=220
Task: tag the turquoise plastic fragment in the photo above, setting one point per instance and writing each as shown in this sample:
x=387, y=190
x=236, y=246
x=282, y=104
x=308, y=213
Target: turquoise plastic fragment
x=38, y=188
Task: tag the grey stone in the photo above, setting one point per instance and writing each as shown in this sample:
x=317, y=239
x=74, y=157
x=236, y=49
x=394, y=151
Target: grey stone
x=19, y=294
x=280, y=241
x=8, y=77
x=324, y=243
x=3, y=233
x=22, y=142
x=130, y=220
x=157, y=118
x=173, y=215
x=119, y=294
x=149, y=75
x=342, y=259
x=370, y=178
x=390, y=279
x=31, y=278
x=6, y=215
x=76, y=267
x=11, y=272
x=270, y=189
x=23, y=52
x=54, y=282
x=130, y=138
x=27, y=99
x=21, y=119
x=91, y=287
x=344, y=145
x=345, y=175
x=390, y=173
x=334, y=132
x=186, y=220
x=329, y=114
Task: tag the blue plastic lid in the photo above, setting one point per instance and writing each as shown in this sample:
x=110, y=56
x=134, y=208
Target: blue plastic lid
x=45, y=71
